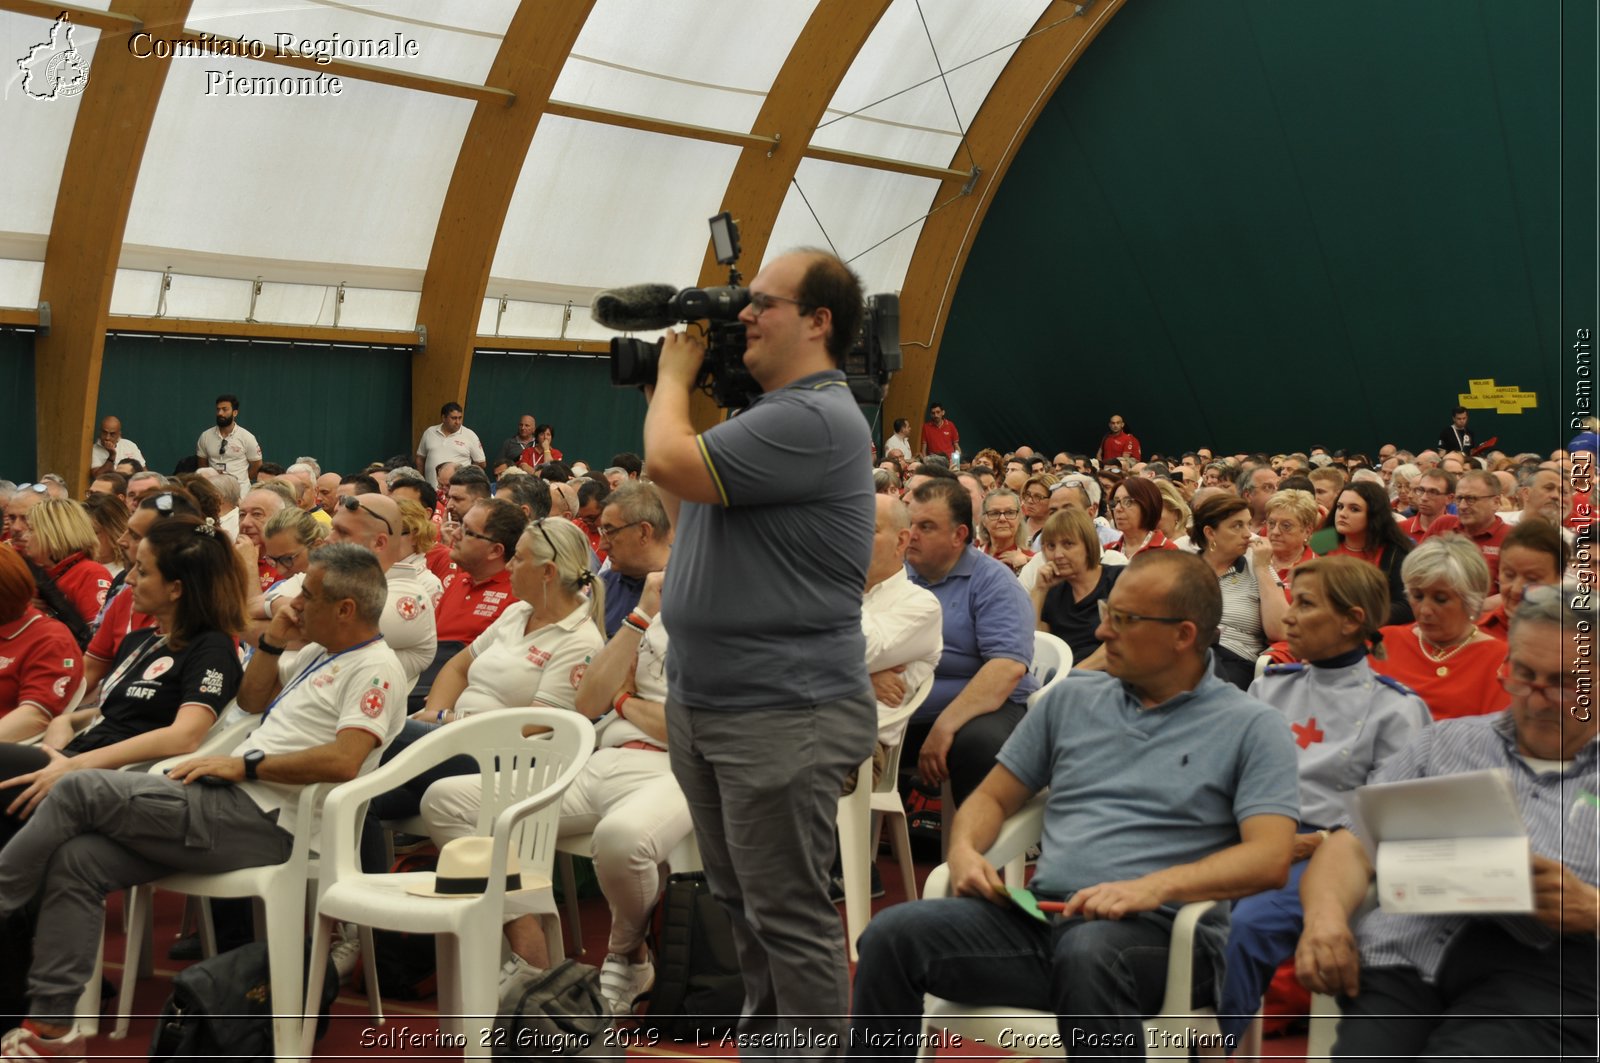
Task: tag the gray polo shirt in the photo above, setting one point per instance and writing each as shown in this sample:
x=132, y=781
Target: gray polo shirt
x=764, y=591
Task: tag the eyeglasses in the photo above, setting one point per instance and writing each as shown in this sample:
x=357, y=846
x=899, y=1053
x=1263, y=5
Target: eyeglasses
x=1283, y=525
x=1518, y=687
x=36, y=488
x=1002, y=514
x=1118, y=620
x=1430, y=492
x=761, y=302
x=469, y=533
x=1030, y=497
x=350, y=503
x=1473, y=498
x=1122, y=503
x=285, y=560
x=606, y=531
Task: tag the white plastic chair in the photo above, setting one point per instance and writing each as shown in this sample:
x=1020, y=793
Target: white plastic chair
x=523, y=779
x=861, y=818
x=684, y=857
x=1176, y=1025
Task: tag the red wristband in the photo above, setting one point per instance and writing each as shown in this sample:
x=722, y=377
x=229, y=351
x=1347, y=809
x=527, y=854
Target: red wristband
x=621, y=700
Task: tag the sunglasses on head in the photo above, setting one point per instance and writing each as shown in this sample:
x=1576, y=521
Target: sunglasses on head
x=351, y=503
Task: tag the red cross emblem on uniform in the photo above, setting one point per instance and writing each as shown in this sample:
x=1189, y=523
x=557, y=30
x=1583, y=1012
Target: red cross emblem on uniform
x=1307, y=733
x=408, y=608
x=372, y=702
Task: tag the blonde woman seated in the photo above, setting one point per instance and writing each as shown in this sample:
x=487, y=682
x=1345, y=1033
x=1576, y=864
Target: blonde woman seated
x=1175, y=515
x=1071, y=585
x=536, y=653
x=422, y=534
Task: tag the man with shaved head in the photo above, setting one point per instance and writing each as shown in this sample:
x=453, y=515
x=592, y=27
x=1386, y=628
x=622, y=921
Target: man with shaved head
x=373, y=521
x=110, y=448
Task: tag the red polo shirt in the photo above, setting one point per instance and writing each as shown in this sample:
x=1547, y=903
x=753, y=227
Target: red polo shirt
x=120, y=621
x=1117, y=446
x=1487, y=541
x=439, y=563
x=940, y=438
x=467, y=608
x=39, y=662
x=1412, y=526
x=84, y=582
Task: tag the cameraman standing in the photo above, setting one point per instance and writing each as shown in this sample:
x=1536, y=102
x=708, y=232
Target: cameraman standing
x=769, y=703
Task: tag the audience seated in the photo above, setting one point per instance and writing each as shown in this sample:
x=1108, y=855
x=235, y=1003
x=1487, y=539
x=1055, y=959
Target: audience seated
x=981, y=685
x=1072, y=584
x=40, y=664
x=536, y=653
x=1002, y=513
x=1128, y=756
x=1533, y=554
x=1252, y=608
x=1481, y=987
x=1136, y=512
x=59, y=541
x=1346, y=720
x=1291, y=515
x=168, y=683
x=1365, y=528
x=638, y=535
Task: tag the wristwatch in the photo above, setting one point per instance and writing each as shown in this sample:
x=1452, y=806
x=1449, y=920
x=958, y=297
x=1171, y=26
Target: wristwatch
x=252, y=761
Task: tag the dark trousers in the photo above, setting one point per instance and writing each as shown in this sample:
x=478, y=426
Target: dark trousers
x=1100, y=978
x=405, y=800
x=1495, y=998
x=973, y=750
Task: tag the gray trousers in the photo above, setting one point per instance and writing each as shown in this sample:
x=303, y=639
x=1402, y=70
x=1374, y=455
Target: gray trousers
x=102, y=831
x=763, y=788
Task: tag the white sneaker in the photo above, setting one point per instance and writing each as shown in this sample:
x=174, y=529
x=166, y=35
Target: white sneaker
x=514, y=966
x=24, y=1043
x=346, y=950
x=622, y=982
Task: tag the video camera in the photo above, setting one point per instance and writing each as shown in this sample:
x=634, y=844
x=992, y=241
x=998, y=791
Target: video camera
x=871, y=360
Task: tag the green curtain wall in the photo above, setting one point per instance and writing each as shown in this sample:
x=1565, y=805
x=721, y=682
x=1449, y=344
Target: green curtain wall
x=1253, y=224
x=592, y=419
x=19, y=446
x=344, y=406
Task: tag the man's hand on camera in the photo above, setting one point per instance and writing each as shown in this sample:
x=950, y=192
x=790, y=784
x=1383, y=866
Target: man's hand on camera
x=681, y=355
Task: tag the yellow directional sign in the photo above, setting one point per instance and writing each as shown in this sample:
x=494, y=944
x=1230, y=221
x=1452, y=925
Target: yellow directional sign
x=1501, y=398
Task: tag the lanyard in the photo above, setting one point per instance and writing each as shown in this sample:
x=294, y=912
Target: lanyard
x=313, y=667
x=133, y=662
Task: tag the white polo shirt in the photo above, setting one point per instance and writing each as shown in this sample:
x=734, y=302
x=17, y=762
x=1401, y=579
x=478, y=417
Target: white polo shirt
x=231, y=453
x=126, y=449
x=407, y=624
x=461, y=446
x=363, y=688
x=512, y=669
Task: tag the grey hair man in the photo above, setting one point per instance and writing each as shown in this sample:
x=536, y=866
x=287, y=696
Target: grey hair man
x=1407, y=982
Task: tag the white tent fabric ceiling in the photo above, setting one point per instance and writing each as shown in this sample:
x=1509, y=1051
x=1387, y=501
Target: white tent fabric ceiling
x=308, y=193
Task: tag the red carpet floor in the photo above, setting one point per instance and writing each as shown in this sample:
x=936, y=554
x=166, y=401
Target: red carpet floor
x=410, y=1025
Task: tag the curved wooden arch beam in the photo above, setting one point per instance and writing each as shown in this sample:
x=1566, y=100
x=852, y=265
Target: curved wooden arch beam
x=115, y=113
x=531, y=56
x=794, y=106
x=1027, y=84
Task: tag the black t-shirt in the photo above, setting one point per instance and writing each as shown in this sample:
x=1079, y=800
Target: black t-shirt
x=1074, y=622
x=148, y=683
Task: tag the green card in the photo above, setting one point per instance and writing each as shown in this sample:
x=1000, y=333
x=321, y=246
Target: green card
x=1025, y=900
x=1324, y=540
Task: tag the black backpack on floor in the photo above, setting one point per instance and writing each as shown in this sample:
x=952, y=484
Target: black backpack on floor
x=221, y=1008
x=699, y=991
